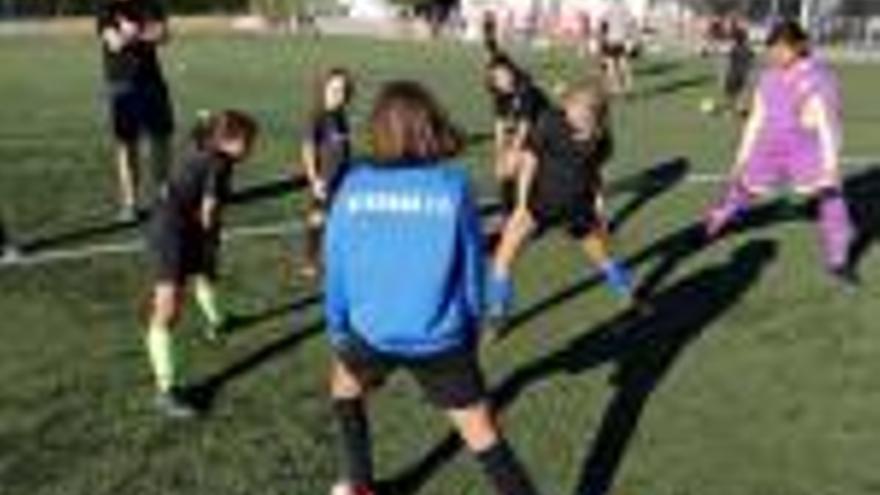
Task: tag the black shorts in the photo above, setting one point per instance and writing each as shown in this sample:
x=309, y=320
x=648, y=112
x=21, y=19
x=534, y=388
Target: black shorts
x=179, y=254
x=137, y=109
x=577, y=214
x=614, y=50
x=734, y=85
x=451, y=380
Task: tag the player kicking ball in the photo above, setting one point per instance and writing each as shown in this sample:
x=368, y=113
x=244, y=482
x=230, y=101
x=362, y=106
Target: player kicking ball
x=184, y=242
x=560, y=185
x=792, y=139
x=403, y=286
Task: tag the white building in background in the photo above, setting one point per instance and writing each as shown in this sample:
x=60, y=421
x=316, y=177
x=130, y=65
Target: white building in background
x=368, y=9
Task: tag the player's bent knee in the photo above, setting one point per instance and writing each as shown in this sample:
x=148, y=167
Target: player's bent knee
x=166, y=303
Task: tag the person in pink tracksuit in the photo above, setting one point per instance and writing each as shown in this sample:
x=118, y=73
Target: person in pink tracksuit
x=792, y=139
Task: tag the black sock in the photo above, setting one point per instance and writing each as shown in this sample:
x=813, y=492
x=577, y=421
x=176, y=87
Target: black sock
x=502, y=467
x=508, y=196
x=354, y=432
x=314, y=234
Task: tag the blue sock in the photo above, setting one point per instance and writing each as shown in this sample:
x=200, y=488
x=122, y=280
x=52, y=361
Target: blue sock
x=618, y=278
x=501, y=296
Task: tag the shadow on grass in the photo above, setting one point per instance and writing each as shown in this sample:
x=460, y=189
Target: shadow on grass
x=657, y=69
x=247, y=194
x=676, y=86
x=863, y=198
x=646, y=186
x=644, y=349
x=205, y=392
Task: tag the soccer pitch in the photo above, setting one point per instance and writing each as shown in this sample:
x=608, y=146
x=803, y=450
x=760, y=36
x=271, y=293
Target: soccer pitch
x=755, y=376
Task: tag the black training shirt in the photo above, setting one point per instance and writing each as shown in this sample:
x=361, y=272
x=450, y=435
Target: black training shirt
x=329, y=133
x=567, y=168
x=137, y=61
x=205, y=175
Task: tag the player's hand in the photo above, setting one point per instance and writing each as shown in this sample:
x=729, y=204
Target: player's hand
x=129, y=30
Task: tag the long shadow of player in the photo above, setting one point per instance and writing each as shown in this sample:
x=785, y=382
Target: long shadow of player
x=676, y=86
x=645, y=187
x=657, y=69
x=682, y=314
x=246, y=194
x=644, y=348
x=205, y=392
x=863, y=198
x=863, y=195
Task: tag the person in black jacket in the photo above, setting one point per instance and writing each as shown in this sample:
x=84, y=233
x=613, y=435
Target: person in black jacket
x=130, y=32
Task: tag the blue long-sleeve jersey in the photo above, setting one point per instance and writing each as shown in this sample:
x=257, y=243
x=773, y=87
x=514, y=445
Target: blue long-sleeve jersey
x=404, y=260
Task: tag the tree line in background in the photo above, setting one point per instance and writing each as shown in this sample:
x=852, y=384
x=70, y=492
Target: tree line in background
x=271, y=8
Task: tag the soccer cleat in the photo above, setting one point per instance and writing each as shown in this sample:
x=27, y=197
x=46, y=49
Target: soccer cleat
x=349, y=489
x=846, y=278
x=128, y=214
x=172, y=404
x=214, y=333
x=10, y=255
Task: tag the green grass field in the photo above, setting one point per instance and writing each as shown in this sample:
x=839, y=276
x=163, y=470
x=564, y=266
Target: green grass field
x=756, y=376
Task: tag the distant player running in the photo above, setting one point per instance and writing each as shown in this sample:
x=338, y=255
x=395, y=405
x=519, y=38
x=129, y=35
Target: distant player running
x=792, y=139
x=130, y=32
x=518, y=102
x=560, y=184
x=326, y=151
x=404, y=286
x=185, y=240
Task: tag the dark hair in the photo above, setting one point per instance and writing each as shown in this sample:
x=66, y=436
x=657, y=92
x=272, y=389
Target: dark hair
x=501, y=61
x=320, y=87
x=213, y=127
x=789, y=32
x=407, y=123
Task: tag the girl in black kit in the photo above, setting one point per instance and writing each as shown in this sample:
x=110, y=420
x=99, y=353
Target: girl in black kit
x=518, y=102
x=184, y=243
x=325, y=153
x=130, y=32
x=560, y=185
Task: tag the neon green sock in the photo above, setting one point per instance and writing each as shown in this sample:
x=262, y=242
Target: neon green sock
x=160, y=348
x=206, y=297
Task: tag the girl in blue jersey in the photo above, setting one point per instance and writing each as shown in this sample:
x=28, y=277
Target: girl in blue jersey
x=403, y=285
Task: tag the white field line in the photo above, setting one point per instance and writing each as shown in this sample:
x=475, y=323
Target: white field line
x=82, y=253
